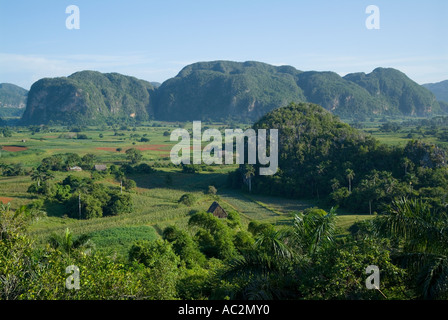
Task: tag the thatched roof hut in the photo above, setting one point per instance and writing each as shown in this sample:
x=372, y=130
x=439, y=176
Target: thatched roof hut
x=217, y=210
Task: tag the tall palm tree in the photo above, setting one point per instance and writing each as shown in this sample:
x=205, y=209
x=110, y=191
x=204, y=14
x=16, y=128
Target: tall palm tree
x=406, y=163
x=350, y=174
x=249, y=172
x=120, y=176
x=422, y=235
x=81, y=188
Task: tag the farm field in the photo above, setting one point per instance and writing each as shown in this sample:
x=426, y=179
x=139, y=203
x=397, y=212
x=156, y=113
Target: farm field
x=155, y=200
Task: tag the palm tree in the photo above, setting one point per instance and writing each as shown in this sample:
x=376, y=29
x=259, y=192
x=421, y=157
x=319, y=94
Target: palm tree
x=273, y=243
x=66, y=244
x=264, y=272
x=81, y=188
x=350, y=174
x=313, y=232
x=320, y=170
x=119, y=176
x=41, y=176
x=423, y=250
x=406, y=163
x=249, y=172
x=269, y=270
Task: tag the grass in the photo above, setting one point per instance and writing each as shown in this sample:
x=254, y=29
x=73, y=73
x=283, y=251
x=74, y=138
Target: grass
x=120, y=239
x=344, y=222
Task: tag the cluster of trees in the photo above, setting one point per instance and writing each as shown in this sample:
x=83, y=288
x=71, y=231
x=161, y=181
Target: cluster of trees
x=390, y=127
x=83, y=198
x=322, y=158
x=219, y=258
x=12, y=170
x=64, y=161
x=5, y=132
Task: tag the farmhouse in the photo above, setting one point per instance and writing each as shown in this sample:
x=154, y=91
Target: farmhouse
x=217, y=210
x=75, y=168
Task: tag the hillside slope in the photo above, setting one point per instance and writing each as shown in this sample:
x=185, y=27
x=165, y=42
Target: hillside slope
x=12, y=100
x=439, y=89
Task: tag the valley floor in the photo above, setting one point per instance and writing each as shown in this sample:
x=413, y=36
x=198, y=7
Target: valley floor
x=155, y=201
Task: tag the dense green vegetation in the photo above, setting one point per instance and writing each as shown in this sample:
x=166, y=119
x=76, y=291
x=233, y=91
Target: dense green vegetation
x=321, y=157
x=223, y=91
x=304, y=233
x=222, y=259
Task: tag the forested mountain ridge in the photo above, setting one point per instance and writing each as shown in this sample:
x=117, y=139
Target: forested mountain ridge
x=395, y=93
x=12, y=96
x=12, y=100
x=88, y=97
x=223, y=91
x=220, y=90
x=439, y=89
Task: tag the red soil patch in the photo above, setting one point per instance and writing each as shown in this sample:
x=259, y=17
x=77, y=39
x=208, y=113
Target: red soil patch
x=14, y=148
x=5, y=200
x=152, y=147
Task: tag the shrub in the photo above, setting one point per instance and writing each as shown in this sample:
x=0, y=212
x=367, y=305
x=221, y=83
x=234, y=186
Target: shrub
x=187, y=199
x=212, y=190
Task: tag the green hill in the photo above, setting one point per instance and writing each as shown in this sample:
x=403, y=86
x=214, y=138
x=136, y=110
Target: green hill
x=314, y=147
x=337, y=95
x=88, y=97
x=440, y=90
x=222, y=90
x=12, y=100
x=395, y=93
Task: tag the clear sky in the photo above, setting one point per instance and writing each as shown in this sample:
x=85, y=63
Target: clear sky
x=154, y=40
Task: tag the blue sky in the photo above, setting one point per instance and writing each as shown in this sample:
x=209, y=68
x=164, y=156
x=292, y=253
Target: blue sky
x=154, y=40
